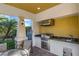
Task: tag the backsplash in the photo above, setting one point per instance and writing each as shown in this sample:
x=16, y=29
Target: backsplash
x=66, y=26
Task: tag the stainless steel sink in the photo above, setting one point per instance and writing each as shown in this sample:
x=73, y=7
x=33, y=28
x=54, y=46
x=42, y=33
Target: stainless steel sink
x=68, y=40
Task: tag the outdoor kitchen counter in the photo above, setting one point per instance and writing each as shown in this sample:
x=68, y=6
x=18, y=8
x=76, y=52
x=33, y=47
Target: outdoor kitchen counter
x=64, y=39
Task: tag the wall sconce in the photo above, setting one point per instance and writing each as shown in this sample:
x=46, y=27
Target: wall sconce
x=22, y=23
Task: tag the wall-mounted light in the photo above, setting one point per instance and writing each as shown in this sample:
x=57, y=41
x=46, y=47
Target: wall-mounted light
x=22, y=22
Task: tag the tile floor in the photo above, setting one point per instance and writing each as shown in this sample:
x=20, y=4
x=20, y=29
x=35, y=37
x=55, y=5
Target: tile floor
x=40, y=52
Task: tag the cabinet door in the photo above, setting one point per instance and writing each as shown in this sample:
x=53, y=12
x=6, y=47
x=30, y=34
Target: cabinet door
x=56, y=47
x=51, y=43
x=38, y=42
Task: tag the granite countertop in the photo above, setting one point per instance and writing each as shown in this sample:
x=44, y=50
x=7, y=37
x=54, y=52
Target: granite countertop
x=64, y=39
x=38, y=35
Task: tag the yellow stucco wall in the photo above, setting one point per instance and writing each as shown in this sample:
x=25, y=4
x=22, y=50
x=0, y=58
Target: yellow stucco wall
x=78, y=23
x=64, y=26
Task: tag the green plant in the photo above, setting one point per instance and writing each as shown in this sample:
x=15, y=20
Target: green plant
x=10, y=44
x=7, y=27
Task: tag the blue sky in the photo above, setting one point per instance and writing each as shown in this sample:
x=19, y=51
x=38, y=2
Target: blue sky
x=27, y=22
x=9, y=17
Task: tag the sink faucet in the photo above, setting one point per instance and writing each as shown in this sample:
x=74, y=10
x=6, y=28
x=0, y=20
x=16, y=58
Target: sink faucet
x=71, y=36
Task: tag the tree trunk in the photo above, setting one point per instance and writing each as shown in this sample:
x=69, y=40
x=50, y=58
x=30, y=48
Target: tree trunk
x=9, y=28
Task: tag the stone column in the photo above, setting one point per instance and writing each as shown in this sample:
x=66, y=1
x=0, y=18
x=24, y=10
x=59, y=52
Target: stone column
x=21, y=33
